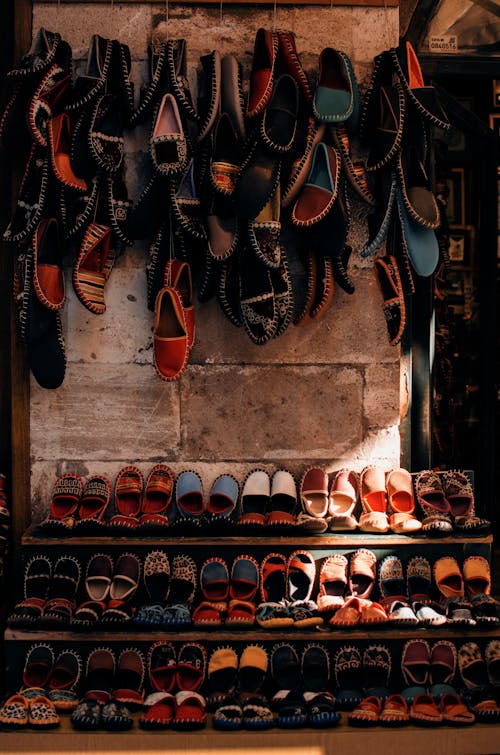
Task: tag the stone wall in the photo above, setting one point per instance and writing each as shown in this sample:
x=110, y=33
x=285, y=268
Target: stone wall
x=328, y=393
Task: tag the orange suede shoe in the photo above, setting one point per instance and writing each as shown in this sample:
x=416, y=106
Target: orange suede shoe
x=170, y=339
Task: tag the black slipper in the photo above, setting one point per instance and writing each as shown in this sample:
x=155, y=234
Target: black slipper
x=315, y=668
x=152, y=92
x=285, y=666
x=257, y=299
x=228, y=294
x=32, y=197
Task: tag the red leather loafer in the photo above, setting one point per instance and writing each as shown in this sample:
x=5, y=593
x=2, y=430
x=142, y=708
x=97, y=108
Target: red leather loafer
x=170, y=340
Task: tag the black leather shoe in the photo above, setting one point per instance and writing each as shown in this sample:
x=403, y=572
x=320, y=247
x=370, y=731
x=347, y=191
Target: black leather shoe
x=279, y=121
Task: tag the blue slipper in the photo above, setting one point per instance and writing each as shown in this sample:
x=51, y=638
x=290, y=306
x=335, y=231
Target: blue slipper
x=321, y=711
x=189, y=496
x=223, y=498
x=176, y=617
x=292, y=709
x=421, y=243
x=150, y=615
x=380, y=236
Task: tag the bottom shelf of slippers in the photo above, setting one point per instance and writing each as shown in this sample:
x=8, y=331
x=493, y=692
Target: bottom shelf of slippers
x=189, y=686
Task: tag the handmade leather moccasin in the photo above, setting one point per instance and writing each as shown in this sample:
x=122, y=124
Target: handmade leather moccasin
x=373, y=500
x=343, y=499
x=334, y=98
x=332, y=583
x=262, y=73
x=320, y=189
x=264, y=232
x=289, y=62
x=301, y=166
x=170, y=335
x=60, y=142
x=393, y=300
x=168, y=145
x=401, y=502
x=178, y=276
x=279, y=121
x=420, y=241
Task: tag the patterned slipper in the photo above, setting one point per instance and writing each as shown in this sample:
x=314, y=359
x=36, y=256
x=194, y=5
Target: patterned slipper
x=191, y=666
x=348, y=676
x=64, y=679
x=94, y=502
x=157, y=576
x=129, y=485
x=257, y=714
x=116, y=717
x=157, y=498
x=42, y=713
x=66, y=495
x=228, y=716
x=14, y=712
x=162, y=666
x=87, y=715
x=395, y=712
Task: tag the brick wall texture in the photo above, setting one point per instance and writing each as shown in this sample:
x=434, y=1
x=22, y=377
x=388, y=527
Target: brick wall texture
x=326, y=394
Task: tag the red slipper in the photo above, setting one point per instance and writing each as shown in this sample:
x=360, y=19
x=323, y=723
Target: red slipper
x=128, y=498
x=190, y=712
x=157, y=496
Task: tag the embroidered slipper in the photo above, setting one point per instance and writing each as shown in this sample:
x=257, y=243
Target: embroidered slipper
x=37, y=578
x=38, y=666
x=93, y=505
x=348, y=677
x=243, y=588
x=367, y=712
x=116, y=717
x=372, y=613
x=190, y=711
x=336, y=97
x=401, y=502
x=48, y=276
x=189, y=501
x=416, y=663
x=93, y=267
x=129, y=678
x=283, y=501
x=448, y=577
x=393, y=306
x=105, y=134
x=228, y=716
x=485, y=609
x=278, y=124
x=257, y=301
x=304, y=613
x=255, y=499
x=123, y=587
x=223, y=498
x=472, y=666
x=252, y=669
x=342, y=502
x=315, y=668
x=332, y=583
x=157, y=576
x=314, y=492
x=435, y=508
x=362, y=573
x=159, y=711
x=300, y=575
x=395, y=712
x=59, y=136
x=186, y=205
x=191, y=666
x=99, y=676
x=273, y=581
x=348, y=614
x=182, y=591
x=443, y=662
x=257, y=714
x=392, y=585
x=157, y=498
x=161, y=665
x=477, y=576
x=301, y=166
x=321, y=188
x=14, y=712
x=373, y=500
x=129, y=484
x=455, y=712
x=492, y=657
x=59, y=608
x=458, y=487
x=419, y=579
x=66, y=494
x=425, y=712
x=31, y=198
x=42, y=713
x=64, y=680
x=425, y=98
x=401, y=612
x=291, y=707
x=271, y=615
x=376, y=670
x=285, y=666
x=87, y=715
x=222, y=674
x=321, y=709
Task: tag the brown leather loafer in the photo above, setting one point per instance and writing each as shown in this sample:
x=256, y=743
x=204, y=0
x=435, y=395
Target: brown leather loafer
x=170, y=340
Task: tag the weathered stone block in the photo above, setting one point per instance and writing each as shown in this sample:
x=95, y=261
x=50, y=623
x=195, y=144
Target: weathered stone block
x=270, y=412
x=381, y=396
x=105, y=412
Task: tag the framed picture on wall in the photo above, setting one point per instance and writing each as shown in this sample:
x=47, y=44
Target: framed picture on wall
x=455, y=208
x=461, y=246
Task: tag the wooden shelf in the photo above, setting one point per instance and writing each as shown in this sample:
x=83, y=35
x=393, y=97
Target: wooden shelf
x=255, y=635
x=301, y=539
x=478, y=739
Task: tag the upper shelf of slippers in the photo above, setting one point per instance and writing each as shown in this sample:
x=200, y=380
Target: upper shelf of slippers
x=341, y=540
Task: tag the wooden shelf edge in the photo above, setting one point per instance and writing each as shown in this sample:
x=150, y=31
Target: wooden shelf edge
x=254, y=635
x=31, y=539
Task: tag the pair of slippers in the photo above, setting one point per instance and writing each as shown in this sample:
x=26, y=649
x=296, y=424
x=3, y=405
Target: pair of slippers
x=77, y=506
x=216, y=512
x=408, y=601
x=49, y=593
x=447, y=503
x=54, y=677
x=342, y=581
x=121, y=681
x=286, y=586
x=358, y=674
x=110, y=589
x=37, y=712
x=170, y=588
x=428, y=670
x=227, y=595
x=465, y=591
x=267, y=502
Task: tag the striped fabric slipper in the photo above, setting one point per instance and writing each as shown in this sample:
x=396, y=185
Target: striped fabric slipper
x=93, y=267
